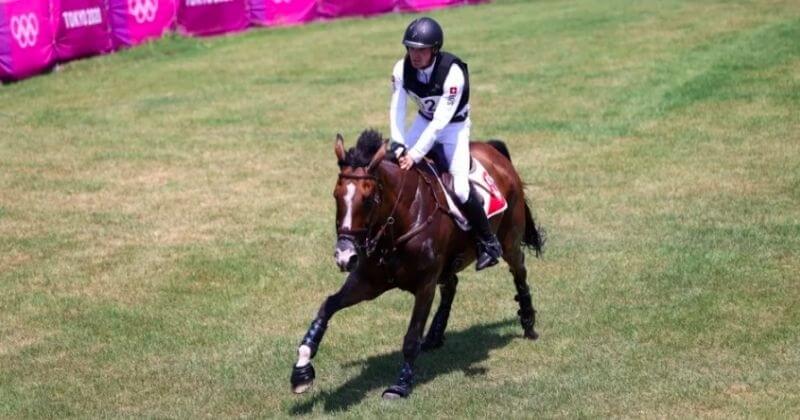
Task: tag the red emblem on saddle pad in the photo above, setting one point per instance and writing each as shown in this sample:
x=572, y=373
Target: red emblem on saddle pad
x=453, y=90
x=496, y=202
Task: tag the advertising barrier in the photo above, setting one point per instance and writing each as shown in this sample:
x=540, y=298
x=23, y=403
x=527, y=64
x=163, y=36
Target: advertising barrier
x=26, y=38
x=212, y=17
x=136, y=21
x=35, y=34
x=341, y=8
x=81, y=28
x=423, y=5
x=282, y=12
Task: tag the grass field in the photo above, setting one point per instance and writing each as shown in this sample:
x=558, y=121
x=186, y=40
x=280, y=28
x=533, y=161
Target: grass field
x=166, y=220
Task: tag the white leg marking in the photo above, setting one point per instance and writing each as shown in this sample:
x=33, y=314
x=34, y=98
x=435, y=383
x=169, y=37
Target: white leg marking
x=303, y=355
x=348, y=201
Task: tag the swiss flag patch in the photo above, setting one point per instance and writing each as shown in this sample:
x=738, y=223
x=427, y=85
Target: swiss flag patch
x=453, y=90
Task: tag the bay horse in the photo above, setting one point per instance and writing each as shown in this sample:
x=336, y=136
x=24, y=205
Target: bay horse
x=394, y=230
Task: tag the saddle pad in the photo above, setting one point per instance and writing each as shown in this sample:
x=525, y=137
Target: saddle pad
x=493, y=201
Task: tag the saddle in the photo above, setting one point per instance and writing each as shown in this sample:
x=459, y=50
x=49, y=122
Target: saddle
x=493, y=201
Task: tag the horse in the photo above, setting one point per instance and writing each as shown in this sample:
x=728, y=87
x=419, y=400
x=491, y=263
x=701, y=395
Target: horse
x=394, y=231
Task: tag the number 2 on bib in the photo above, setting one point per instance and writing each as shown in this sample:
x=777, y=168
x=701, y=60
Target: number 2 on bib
x=430, y=106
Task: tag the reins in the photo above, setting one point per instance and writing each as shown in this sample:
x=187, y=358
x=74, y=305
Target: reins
x=410, y=234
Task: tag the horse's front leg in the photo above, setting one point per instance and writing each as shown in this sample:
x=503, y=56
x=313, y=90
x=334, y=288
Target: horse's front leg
x=435, y=337
x=353, y=291
x=413, y=341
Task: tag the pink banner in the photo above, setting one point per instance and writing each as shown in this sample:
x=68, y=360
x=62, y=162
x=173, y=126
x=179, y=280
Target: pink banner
x=136, y=21
x=422, y=5
x=81, y=28
x=282, y=12
x=26, y=38
x=211, y=17
x=339, y=8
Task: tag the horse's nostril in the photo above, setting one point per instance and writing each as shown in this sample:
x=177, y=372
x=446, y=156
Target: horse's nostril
x=351, y=263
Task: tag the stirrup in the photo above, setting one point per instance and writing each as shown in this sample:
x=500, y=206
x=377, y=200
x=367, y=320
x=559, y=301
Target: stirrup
x=485, y=261
x=488, y=253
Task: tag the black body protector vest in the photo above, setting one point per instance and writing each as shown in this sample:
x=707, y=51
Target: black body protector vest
x=428, y=95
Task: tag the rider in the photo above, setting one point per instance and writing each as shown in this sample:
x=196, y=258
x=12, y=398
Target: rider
x=439, y=84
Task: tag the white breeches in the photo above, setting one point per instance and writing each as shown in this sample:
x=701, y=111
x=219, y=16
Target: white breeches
x=454, y=138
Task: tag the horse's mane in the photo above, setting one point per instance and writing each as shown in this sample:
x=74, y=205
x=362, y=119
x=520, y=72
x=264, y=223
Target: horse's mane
x=367, y=145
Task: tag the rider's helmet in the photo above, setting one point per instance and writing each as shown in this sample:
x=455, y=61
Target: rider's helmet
x=424, y=33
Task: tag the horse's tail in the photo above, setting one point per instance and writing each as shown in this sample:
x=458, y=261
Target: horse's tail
x=501, y=147
x=533, y=239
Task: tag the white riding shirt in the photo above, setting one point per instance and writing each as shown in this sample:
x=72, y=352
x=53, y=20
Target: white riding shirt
x=424, y=133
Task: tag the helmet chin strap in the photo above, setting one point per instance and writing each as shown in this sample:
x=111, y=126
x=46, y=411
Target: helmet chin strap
x=434, y=54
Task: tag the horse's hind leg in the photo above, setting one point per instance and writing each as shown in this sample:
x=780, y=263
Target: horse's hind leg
x=515, y=258
x=435, y=337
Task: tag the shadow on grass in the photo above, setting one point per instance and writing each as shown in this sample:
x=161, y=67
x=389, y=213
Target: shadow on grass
x=462, y=351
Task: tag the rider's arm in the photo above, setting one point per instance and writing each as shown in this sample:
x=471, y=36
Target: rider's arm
x=445, y=110
x=397, y=108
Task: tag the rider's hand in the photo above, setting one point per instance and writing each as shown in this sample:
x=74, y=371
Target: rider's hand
x=397, y=149
x=405, y=162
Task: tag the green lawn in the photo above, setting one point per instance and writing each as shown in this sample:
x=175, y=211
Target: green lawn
x=166, y=220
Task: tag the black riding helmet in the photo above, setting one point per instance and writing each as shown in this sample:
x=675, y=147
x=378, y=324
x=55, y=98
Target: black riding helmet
x=424, y=33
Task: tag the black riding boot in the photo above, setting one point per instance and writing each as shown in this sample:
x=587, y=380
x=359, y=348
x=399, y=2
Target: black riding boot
x=489, y=249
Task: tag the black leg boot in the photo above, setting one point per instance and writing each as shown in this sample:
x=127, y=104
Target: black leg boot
x=489, y=249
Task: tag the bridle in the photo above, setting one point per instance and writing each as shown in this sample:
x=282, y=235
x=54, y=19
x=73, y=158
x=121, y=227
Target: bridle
x=370, y=241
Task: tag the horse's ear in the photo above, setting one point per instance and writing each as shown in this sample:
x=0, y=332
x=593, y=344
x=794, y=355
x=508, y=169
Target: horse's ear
x=377, y=158
x=339, y=147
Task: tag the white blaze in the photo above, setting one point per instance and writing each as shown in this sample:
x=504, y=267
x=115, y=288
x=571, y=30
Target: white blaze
x=348, y=201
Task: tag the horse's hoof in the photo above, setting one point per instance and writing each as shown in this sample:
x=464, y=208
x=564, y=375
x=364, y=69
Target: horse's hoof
x=531, y=335
x=396, y=392
x=302, y=378
x=299, y=389
x=429, y=345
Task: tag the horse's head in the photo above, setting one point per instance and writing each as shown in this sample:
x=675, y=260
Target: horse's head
x=358, y=196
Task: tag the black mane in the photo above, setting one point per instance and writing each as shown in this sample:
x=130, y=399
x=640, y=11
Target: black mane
x=367, y=145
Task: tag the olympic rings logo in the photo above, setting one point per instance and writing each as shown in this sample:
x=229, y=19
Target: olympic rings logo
x=143, y=10
x=25, y=29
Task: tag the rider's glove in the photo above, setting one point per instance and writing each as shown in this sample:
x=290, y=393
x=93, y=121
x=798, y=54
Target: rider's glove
x=397, y=149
